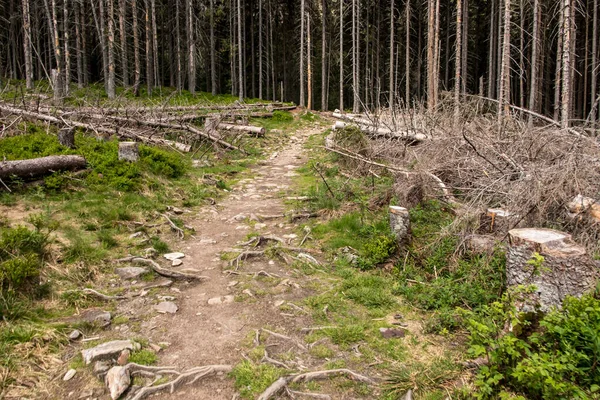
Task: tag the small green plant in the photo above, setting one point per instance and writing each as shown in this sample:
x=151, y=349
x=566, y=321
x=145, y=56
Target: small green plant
x=252, y=379
x=143, y=357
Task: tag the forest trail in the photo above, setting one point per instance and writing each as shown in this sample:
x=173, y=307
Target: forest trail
x=202, y=334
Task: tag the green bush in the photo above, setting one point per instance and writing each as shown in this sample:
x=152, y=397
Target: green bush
x=560, y=359
x=282, y=116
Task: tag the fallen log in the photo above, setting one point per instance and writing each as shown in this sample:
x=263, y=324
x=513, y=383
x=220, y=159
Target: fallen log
x=259, y=131
x=40, y=166
x=374, y=130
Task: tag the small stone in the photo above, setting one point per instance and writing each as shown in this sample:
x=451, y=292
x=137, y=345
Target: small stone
x=390, y=333
x=166, y=307
x=208, y=241
x=173, y=256
x=156, y=348
x=232, y=283
x=177, y=211
x=74, y=335
x=106, y=350
x=290, y=236
x=166, y=298
x=69, y=375
x=176, y=263
x=279, y=303
x=123, y=357
x=86, y=394
x=221, y=300
x=130, y=272
x=98, y=318
x=248, y=292
x=260, y=226
x=271, y=262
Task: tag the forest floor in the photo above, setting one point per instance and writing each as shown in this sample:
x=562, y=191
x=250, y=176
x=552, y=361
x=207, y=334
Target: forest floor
x=317, y=290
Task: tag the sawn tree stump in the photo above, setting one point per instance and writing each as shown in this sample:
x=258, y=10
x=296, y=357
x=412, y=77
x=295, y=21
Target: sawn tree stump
x=400, y=224
x=128, y=151
x=565, y=271
x=66, y=137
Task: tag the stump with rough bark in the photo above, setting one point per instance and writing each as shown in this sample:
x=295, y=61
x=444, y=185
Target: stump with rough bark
x=66, y=137
x=128, y=151
x=400, y=224
x=566, y=269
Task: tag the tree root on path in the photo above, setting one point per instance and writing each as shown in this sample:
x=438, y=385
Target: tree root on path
x=169, y=273
x=181, y=378
x=283, y=382
x=180, y=233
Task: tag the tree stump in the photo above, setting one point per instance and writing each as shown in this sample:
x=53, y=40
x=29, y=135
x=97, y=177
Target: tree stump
x=66, y=137
x=400, y=224
x=566, y=269
x=128, y=151
x=497, y=220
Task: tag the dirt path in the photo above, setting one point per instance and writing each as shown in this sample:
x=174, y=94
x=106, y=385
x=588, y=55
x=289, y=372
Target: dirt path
x=200, y=333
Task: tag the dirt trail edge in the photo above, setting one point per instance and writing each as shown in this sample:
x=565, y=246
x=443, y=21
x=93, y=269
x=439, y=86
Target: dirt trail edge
x=214, y=317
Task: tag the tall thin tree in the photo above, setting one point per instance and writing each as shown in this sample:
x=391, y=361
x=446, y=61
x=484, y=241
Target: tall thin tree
x=392, y=29
x=341, y=55
x=504, y=92
x=566, y=66
x=123, y=37
x=302, y=23
x=189, y=30
x=110, y=87
x=27, y=44
x=240, y=52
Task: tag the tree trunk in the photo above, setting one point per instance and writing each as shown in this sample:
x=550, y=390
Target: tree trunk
x=565, y=269
x=533, y=89
x=559, y=59
x=566, y=66
x=149, y=74
x=594, y=105
x=40, y=166
x=324, y=84
x=111, y=51
x=407, y=56
x=430, y=54
x=457, y=62
x=189, y=28
x=155, y=59
x=465, y=46
x=341, y=55
x=491, y=85
x=123, y=34
x=392, y=29
x=308, y=64
x=179, y=78
x=504, y=92
x=356, y=55
x=240, y=52
x=302, y=22
x=79, y=29
x=136, y=50
x=59, y=92
x=66, y=37
x=27, y=45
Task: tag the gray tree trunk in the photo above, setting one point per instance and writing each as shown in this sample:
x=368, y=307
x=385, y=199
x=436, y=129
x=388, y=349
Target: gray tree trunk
x=504, y=92
x=392, y=29
x=189, y=28
x=240, y=52
x=136, y=50
x=341, y=55
x=213, y=65
x=123, y=34
x=110, y=88
x=566, y=66
x=302, y=22
x=27, y=45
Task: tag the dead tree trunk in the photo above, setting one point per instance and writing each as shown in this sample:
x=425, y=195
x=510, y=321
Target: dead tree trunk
x=66, y=137
x=594, y=105
x=240, y=52
x=504, y=92
x=27, y=45
x=213, y=65
x=110, y=86
x=123, y=35
x=566, y=66
x=392, y=29
x=136, y=50
x=189, y=30
x=341, y=56
x=457, y=62
x=149, y=74
x=400, y=224
x=40, y=166
x=533, y=88
x=66, y=43
x=302, y=20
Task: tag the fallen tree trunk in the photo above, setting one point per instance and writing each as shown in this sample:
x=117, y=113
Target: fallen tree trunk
x=373, y=130
x=40, y=166
x=259, y=131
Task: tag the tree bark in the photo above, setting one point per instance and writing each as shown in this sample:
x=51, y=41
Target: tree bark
x=111, y=50
x=341, y=55
x=189, y=28
x=324, y=84
x=308, y=64
x=566, y=66
x=79, y=30
x=458, y=62
x=392, y=29
x=213, y=66
x=155, y=59
x=149, y=74
x=559, y=67
x=123, y=34
x=240, y=53
x=491, y=84
x=594, y=105
x=535, y=43
x=407, y=56
x=27, y=44
x=40, y=166
x=179, y=78
x=302, y=23
x=430, y=54
x=136, y=50
x=66, y=43
x=504, y=92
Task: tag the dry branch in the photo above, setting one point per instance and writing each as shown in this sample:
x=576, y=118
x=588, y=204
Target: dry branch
x=169, y=273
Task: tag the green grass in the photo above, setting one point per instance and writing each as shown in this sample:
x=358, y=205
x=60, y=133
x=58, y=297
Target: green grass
x=143, y=357
x=252, y=379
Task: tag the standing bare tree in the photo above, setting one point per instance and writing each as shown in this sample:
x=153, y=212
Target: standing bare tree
x=260, y=50
x=594, y=83
x=535, y=43
x=149, y=73
x=136, y=50
x=407, y=56
x=430, y=53
x=27, y=45
x=392, y=29
x=189, y=30
x=324, y=84
x=179, y=79
x=566, y=65
x=110, y=87
x=308, y=64
x=504, y=92
x=240, y=51
x=342, y=55
x=458, y=61
x=213, y=64
x=123, y=36
x=302, y=23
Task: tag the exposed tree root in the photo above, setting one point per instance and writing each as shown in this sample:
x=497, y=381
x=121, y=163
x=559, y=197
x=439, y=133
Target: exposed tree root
x=182, y=378
x=284, y=381
x=102, y=296
x=180, y=233
x=163, y=271
x=293, y=394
